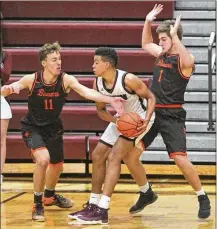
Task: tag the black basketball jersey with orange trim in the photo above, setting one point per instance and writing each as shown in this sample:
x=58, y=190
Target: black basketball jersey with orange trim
x=169, y=84
x=45, y=101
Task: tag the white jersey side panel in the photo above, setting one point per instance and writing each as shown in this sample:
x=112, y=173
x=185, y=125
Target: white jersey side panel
x=133, y=102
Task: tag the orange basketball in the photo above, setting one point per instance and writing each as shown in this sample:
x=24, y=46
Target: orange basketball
x=128, y=123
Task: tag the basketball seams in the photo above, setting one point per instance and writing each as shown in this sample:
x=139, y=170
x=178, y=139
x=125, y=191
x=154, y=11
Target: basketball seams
x=126, y=129
x=127, y=134
x=131, y=117
x=119, y=121
x=135, y=131
x=128, y=123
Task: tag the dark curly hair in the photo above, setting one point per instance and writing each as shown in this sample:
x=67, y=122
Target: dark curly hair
x=108, y=54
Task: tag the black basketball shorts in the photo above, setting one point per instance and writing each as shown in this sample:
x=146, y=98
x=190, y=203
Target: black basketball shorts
x=49, y=136
x=173, y=132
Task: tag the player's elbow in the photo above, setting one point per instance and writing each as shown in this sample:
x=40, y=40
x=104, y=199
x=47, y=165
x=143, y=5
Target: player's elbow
x=145, y=45
x=151, y=97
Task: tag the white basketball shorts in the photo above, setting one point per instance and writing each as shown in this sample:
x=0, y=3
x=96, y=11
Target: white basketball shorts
x=111, y=133
x=5, y=109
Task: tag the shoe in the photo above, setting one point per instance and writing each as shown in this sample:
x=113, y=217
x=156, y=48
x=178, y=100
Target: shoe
x=86, y=208
x=38, y=212
x=204, y=210
x=58, y=200
x=144, y=199
x=96, y=216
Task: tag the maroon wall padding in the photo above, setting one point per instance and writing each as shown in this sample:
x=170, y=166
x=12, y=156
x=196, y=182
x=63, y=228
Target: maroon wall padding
x=93, y=141
x=73, y=96
x=81, y=59
x=75, y=33
x=74, y=147
x=83, y=118
x=84, y=9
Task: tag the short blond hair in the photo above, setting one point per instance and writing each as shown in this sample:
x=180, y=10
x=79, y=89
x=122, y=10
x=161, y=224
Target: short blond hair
x=48, y=48
x=164, y=27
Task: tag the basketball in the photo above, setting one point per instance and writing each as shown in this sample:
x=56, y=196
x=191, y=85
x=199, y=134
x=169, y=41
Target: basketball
x=128, y=123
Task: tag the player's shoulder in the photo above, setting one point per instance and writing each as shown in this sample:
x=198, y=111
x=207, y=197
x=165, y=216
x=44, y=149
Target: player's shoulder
x=30, y=77
x=192, y=56
x=67, y=77
x=130, y=76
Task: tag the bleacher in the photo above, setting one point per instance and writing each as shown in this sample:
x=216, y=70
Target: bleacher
x=80, y=27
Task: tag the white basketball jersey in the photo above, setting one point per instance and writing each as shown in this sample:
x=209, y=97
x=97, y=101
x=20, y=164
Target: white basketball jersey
x=133, y=103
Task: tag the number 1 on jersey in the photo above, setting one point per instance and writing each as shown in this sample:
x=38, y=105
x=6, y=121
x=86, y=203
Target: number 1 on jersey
x=160, y=76
x=48, y=104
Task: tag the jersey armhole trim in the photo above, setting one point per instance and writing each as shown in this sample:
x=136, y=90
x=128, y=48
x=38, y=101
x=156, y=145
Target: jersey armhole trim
x=33, y=85
x=123, y=84
x=180, y=71
x=97, y=84
x=62, y=76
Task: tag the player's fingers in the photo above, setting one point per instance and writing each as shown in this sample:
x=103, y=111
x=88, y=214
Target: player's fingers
x=155, y=6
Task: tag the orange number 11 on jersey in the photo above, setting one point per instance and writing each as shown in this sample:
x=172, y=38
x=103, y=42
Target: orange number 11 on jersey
x=160, y=76
x=48, y=104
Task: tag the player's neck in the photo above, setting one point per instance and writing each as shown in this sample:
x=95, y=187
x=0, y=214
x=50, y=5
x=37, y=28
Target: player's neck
x=48, y=77
x=109, y=76
x=172, y=51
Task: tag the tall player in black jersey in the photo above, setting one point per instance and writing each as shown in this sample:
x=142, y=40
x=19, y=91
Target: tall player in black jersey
x=42, y=128
x=173, y=68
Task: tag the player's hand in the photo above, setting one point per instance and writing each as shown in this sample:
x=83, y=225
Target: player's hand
x=117, y=104
x=117, y=116
x=9, y=89
x=155, y=11
x=6, y=90
x=143, y=127
x=174, y=29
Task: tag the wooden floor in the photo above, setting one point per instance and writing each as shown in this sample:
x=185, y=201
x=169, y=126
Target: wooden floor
x=176, y=206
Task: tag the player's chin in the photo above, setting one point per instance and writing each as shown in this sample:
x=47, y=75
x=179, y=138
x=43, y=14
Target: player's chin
x=96, y=74
x=57, y=72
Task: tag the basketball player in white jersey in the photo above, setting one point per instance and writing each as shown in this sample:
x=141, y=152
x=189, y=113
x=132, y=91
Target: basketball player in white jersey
x=6, y=115
x=113, y=146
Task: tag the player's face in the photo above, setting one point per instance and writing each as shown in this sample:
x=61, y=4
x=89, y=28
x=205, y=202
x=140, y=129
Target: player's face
x=99, y=66
x=165, y=42
x=53, y=63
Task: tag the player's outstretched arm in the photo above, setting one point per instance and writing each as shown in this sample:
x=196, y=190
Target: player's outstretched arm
x=147, y=40
x=92, y=94
x=25, y=82
x=187, y=59
x=101, y=110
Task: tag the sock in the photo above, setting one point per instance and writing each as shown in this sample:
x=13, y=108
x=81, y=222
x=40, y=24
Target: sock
x=144, y=188
x=94, y=198
x=104, y=202
x=49, y=193
x=201, y=192
x=38, y=197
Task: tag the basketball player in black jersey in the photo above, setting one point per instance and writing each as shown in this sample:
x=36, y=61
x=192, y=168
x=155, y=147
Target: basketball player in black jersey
x=42, y=129
x=173, y=68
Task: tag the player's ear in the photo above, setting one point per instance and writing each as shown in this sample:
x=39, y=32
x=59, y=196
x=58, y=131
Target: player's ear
x=107, y=65
x=43, y=63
